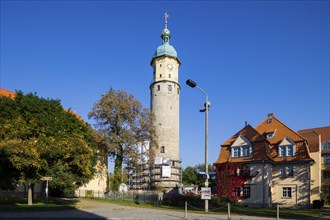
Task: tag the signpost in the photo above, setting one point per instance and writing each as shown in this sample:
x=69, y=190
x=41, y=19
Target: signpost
x=47, y=178
x=206, y=193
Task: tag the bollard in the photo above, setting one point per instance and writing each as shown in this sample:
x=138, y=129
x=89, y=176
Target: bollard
x=278, y=212
x=185, y=210
x=229, y=217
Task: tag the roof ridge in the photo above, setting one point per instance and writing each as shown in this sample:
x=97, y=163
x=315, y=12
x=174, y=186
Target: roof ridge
x=279, y=121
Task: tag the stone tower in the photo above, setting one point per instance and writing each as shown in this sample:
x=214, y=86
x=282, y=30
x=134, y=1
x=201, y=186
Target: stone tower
x=165, y=103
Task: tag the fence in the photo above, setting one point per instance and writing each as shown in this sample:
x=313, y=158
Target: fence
x=85, y=193
x=138, y=197
x=227, y=207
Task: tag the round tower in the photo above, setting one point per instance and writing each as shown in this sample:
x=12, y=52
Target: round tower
x=165, y=104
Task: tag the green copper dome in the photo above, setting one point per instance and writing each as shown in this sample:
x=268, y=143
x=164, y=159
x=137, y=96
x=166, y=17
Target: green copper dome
x=166, y=48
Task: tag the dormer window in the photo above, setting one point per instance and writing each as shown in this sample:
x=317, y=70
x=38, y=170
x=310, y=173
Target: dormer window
x=270, y=135
x=286, y=148
x=241, y=147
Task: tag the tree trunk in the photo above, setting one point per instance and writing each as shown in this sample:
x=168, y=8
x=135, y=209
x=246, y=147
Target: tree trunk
x=30, y=194
x=119, y=161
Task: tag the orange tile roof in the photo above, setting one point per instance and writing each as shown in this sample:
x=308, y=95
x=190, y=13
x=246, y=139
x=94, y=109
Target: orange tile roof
x=7, y=93
x=260, y=149
x=316, y=135
x=323, y=131
x=264, y=148
x=280, y=129
x=313, y=139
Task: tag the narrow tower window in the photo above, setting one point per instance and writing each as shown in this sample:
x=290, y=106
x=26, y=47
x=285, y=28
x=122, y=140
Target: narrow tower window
x=160, y=75
x=169, y=75
x=169, y=87
x=162, y=149
x=158, y=87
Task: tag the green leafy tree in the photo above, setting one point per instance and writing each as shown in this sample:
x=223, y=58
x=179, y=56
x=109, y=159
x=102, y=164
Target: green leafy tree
x=191, y=175
x=124, y=125
x=39, y=138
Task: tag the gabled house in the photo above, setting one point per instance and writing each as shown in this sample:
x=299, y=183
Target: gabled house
x=278, y=159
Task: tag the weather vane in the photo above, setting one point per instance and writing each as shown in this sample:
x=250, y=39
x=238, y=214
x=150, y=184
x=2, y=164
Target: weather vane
x=166, y=17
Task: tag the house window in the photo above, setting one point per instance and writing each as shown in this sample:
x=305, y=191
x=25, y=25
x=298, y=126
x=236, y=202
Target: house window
x=158, y=87
x=286, y=150
x=246, y=151
x=244, y=170
x=236, y=151
x=162, y=149
x=270, y=135
x=238, y=191
x=287, y=192
x=242, y=151
x=326, y=174
x=327, y=159
x=246, y=192
x=326, y=145
x=286, y=171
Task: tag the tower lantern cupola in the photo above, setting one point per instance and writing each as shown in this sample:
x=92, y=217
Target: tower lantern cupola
x=166, y=49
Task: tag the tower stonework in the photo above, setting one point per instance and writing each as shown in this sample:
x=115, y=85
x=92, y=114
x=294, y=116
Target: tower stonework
x=165, y=104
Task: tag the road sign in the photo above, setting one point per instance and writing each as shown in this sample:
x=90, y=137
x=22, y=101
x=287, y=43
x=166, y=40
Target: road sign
x=46, y=178
x=206, y=193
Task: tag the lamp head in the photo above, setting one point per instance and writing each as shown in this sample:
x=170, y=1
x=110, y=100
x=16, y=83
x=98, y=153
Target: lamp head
x=191, y=83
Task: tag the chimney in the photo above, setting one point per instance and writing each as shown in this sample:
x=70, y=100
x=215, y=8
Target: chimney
x=270, y=115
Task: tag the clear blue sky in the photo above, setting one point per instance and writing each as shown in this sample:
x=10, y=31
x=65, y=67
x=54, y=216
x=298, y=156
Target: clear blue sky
x=251, y=57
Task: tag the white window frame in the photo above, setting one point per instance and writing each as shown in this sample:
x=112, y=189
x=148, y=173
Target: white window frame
x=241, y=147
x=287, y=192
x=246, y=192
x=242, y=151
x=286, y=148
x=286, y=151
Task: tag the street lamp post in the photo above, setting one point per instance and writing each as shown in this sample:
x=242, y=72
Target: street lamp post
x=207, y=104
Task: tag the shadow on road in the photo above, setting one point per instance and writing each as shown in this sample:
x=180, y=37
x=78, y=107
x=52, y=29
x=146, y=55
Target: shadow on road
x=57, y=208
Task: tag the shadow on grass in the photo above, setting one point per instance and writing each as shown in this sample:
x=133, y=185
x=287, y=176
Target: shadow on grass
x=56, y=208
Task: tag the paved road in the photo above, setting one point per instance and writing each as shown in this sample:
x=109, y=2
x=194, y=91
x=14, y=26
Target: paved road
x=88, y=210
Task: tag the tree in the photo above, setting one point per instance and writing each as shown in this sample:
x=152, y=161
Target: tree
x=39, y=138
x=229, y=178
x=124, y=125
x=191, y=175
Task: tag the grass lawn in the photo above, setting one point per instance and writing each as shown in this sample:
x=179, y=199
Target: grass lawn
x=38, y=205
